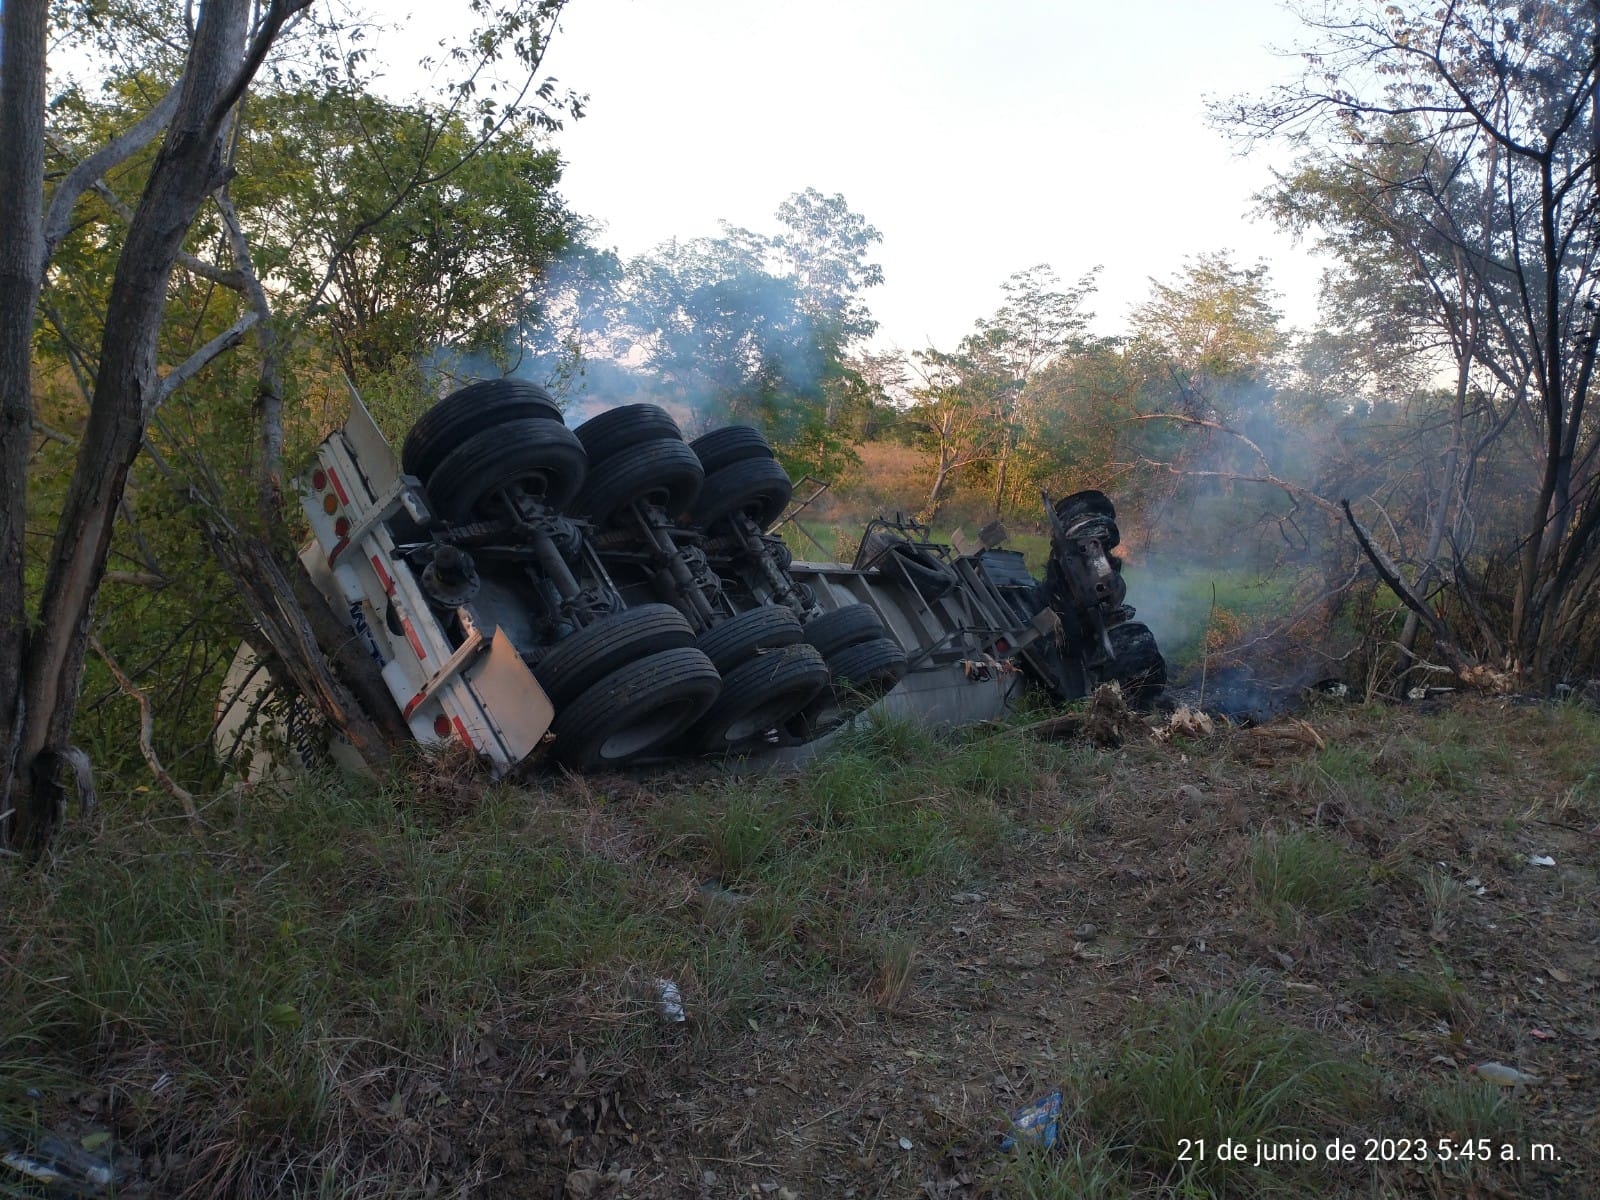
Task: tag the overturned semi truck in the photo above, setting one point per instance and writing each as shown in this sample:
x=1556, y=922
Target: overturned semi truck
x=611, y=594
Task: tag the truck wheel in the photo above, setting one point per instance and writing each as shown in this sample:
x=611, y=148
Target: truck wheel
x=910, y=564
x=861, y=673
x=763, y=693
x=757, y=487
x=1090, y=503
x=635, y=709
x=608, y=645
x=730, y=444
x=471, y=410
x=736, y=639
x=664, y=472
x=1138, y=666
x=542, y=457
x=617, y=429
x=871, y=667
x=847, y=626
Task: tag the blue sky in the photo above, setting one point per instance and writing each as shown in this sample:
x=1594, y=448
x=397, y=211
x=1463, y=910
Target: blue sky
x=980, y=139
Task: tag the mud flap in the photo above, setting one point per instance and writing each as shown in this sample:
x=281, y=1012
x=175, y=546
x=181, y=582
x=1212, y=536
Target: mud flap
x=511, y=698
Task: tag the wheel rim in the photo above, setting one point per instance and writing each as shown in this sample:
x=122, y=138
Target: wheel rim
x=652, y=729
x=752, y=725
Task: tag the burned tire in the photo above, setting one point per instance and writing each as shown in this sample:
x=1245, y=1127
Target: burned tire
x=542, y=457
x=608, y=645
x=847, y=626
x=473, y=409
x=736, y=639
x=1138, y=665
x=911, y=565
x=764, y=693
x=730, y=444
x=1090, y=504
x=757, y=487
x=619, y=428
x=861, y=674
x=635, y=709
x=663, y=471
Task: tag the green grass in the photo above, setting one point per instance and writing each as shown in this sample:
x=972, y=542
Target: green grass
x=1211, y=1067
x=319, y=936
x=1431, y=992
x=1305, y=875
x=1180, y=603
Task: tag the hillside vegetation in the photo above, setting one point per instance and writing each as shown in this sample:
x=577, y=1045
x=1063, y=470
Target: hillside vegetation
x=1305, y=932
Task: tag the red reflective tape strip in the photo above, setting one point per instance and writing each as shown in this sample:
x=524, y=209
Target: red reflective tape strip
x=411, y=636
x=412, y=707
x=337, y=486
x=338, y=550
x=383, y=576
x=462, y=730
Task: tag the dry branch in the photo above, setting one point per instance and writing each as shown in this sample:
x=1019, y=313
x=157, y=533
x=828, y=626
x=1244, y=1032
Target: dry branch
x=1292, y=730
x=1471, y=672
x=147, y=739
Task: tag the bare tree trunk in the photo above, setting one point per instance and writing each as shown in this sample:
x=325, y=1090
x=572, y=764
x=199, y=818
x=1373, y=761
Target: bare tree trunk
x=1452, y=460
x=22, y=101
x=1001, y=473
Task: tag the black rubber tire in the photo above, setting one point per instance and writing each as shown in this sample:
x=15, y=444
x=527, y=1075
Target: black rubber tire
x=733, y=641
x=474, y=408
x=635, y=709
x=847, y=626
x=1138, y=666
x=861, y=674
x=766, y=692
x=909, y=564
x=663, y=471
x=542, y=456
x=617, y=429
x=730, y=444
x=870, y=667
x=758, y=487
x=1090, y=503
x=608, y=645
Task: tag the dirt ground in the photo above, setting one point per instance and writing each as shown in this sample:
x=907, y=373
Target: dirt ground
x=1135, y=888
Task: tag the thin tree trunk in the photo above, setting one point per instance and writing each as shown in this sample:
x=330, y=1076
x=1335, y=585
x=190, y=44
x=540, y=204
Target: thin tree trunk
x=22, y=101
x=1452, y=460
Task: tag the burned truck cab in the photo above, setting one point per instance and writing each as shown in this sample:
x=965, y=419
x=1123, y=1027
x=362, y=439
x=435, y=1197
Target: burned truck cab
x=1083, y=586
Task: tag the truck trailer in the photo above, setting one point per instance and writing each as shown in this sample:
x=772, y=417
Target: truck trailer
x=612, y=594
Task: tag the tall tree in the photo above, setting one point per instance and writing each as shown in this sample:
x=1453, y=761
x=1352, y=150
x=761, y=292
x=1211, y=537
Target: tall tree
x=1398, y=218
x=1497, y=99
x=1215, y=330
x=762, y=328
x=22, y=107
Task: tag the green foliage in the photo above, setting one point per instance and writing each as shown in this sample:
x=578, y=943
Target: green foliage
x=1214, y=326
x=409, y=231
x=392, y=238
x=759, y=329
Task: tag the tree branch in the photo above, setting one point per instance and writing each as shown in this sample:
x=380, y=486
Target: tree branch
x=196, y=362
x=88, y=172
x=1469, y=671
x=147, y=745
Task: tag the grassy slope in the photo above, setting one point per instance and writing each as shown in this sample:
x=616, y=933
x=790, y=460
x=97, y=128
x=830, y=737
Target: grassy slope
x=428, y=987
